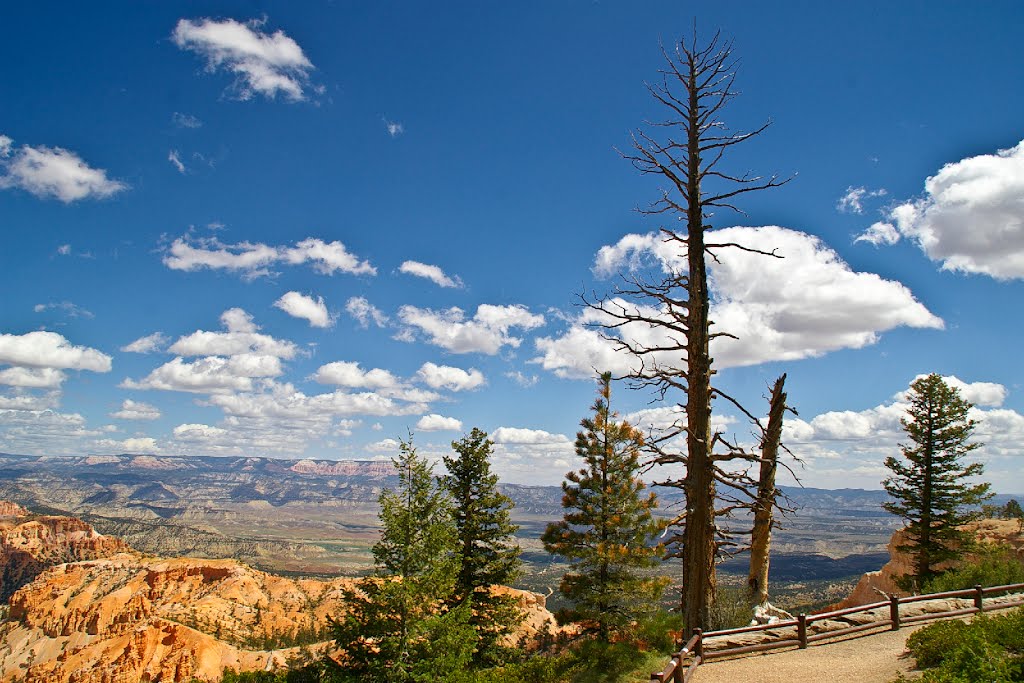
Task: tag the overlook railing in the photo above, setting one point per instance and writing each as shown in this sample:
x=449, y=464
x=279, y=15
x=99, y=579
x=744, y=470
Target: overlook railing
x=795, y=632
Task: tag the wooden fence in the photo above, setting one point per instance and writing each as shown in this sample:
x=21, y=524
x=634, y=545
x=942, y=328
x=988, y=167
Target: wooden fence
x=694, y=653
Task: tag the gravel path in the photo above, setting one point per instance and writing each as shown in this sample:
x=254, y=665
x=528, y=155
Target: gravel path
x=867, y=659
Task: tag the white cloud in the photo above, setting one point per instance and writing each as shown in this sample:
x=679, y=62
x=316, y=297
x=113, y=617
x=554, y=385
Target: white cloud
x=447, y=377
x=253, y=260
x=175, y=159
x=198, y=433
x=69, y=309
x=50, y=350
x=147, y=344
x=241, y=338
x=525, y=381
x=209, y=375
x=970, y=218
x=487, y=332
x=64, y=249
x=846, y=448
x=880, y=233
x=429, y=272
x=853, y=200
x=29, y=402
x=349, y=374
x=802, y=305
x=185, y=120
x=144, y=445
x=364, y=312
x=306, y=307
x=136, y=410
x=518, y=435
x=53, y=172
x=394, y=128
x=34, y=378
x=264, y=64
x=283, y=401
x=384, y=446
x=438, y=423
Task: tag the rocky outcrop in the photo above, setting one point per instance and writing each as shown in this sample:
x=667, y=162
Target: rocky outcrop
x=30, y=544
x=128, y=618
x=874, y=586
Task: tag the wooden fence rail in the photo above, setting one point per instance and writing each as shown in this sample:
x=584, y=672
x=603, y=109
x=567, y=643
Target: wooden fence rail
x=683, y=663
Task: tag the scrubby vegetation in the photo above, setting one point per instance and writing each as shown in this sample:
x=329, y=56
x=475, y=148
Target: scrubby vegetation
x=987, y=650
x=987, y=566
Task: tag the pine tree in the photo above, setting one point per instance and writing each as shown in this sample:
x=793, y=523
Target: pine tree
x=400, y=626
x=488, y=551
x=929, y=486
x=608, y=525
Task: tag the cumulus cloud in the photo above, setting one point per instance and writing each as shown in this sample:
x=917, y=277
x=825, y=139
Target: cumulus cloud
x=266, y=64
x=241, y=337
x=349, y=374
x=50, y=350
x=306, y=307
x=253, y=259
x=848, y=447
x=136, y=410
x=853, y=200
x=32, y=378
x=518, y=435
x=970, y=217
x=209, y=375
x=487, y=332
x=394, y=128
x=144, y=445
x=438, y=423
x=53, y=173
x=429, y=272
x=805, y=304
x=147, y=344
x=364, y=312
x=66, y=307
x=450, y=378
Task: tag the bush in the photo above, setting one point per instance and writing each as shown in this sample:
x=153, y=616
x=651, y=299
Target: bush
x=987, y=650
x=988, y=566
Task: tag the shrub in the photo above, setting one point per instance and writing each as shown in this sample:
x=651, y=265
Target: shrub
x=988, y=566
x=987, y=650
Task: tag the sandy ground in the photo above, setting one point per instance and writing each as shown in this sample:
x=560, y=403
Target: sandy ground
x=867, y=659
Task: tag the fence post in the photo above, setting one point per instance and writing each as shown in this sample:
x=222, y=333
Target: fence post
x=801, y=630
x=894, y=612
x=978, y=597
x=698, y=648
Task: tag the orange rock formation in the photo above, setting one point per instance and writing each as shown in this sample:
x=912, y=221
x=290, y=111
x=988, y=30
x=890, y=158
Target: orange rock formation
x=127, y=618
x=873, y=585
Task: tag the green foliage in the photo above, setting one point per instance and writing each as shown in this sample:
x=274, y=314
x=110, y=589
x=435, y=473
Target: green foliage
x=487, y=548
x=399, y=625
x=607, y=527
x=987, y=566
x=987, y=650
x=731, y=609
x=929, y=485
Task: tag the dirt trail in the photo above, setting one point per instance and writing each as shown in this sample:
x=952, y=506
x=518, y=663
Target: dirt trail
x=868, y=659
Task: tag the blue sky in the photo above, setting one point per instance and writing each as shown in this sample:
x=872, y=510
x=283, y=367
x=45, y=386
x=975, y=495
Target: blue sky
x=303, y=230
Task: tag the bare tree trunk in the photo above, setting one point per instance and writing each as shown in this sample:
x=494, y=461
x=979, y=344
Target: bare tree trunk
x=764, y=504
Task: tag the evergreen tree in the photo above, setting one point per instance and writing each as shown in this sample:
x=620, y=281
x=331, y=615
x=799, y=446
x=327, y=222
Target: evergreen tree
x=488, y=551
x=929, y=485
x=400, y=626
x=607, y=527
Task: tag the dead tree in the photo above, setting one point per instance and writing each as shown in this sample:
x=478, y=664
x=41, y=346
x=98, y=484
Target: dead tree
x=765, y=504
x=685, y=151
